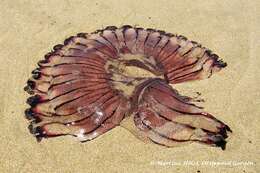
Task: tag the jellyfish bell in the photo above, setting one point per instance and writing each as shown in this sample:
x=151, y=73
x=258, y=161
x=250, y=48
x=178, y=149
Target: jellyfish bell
x=95, y=82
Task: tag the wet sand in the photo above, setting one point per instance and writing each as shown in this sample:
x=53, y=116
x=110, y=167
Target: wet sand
x=29, y=29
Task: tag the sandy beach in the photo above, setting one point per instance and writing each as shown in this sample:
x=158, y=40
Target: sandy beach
x=29, y=29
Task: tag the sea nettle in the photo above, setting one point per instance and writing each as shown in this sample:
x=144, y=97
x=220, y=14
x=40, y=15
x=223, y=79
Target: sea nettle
x=95, y=82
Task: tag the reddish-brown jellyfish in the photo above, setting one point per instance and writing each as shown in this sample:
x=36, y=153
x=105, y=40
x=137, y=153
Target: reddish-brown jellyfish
x=92, y=82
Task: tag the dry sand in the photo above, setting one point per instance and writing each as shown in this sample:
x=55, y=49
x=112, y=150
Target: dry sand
x=231, y=28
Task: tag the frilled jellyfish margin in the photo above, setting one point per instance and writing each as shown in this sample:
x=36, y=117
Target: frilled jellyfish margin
x=90, y=84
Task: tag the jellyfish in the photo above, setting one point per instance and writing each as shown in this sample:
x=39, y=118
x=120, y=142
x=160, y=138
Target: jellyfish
x=95, y=82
